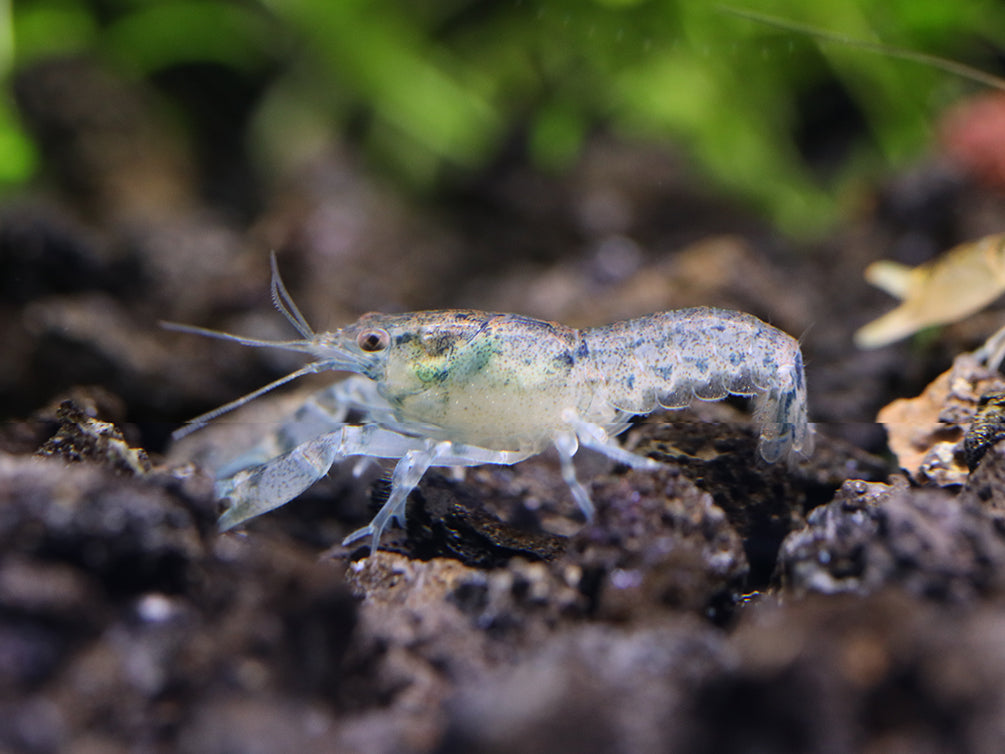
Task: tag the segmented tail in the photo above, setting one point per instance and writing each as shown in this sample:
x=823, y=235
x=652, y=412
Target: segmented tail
x=670, y=358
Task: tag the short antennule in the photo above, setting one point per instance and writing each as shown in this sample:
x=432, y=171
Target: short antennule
x=283, y=301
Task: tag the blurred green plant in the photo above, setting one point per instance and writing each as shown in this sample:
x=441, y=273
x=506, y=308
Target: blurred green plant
x=443, y=84
x=17, y=153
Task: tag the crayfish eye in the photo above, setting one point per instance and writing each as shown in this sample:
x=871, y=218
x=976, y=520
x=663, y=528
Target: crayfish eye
x=373, y=340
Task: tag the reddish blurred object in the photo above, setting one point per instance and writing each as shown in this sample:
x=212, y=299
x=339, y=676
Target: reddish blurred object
x=973, y=135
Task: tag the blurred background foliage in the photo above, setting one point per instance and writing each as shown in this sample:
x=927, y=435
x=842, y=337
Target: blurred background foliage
x=435, y=89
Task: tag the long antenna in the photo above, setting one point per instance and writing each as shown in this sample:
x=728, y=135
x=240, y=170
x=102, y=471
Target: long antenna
x=302, y=346
x=203, y=419
x=942, y=64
